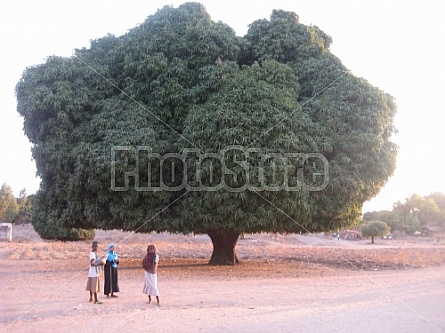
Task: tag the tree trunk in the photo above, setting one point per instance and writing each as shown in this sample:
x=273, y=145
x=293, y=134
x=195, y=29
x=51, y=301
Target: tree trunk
x=224, y=243
x=372, y=239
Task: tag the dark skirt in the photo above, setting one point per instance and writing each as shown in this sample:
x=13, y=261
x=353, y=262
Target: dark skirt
x=111, y=284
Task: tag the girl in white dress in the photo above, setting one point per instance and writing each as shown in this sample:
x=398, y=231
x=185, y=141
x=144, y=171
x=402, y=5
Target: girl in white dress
x=150, y=265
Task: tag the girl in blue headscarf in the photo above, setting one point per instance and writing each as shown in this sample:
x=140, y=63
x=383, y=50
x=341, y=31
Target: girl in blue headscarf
x=111, y=285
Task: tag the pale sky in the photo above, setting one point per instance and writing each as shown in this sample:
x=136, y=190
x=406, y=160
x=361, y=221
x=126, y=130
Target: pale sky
x=395, y=45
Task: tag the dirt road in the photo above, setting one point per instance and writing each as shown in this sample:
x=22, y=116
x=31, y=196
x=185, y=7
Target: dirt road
x=400, y=301
x=43, y=291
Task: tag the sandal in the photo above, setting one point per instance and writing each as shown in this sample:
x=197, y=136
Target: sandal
x=98, y=302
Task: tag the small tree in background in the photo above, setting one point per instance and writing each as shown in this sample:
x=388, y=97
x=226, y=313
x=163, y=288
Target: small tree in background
x=9, y=208
x=393, y=219
x=374, y=229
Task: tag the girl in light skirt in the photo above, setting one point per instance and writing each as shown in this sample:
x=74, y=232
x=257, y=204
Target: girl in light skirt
x=150, y=265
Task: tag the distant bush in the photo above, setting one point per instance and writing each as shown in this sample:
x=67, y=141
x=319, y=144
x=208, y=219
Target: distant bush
x=49, y=231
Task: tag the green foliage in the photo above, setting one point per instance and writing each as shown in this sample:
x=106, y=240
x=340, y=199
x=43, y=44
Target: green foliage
x=284, y=39
x=393, y=219
x=24, y=202
x=27, y=203
x=373, y=229
x=49, y=231
x=9, y=208
x=415, y=212
x=47, y=228
x=181, y=81
x=438, y=198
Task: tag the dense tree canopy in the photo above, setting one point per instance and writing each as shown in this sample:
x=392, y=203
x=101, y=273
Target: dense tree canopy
x=184, y=85
x=373, y=229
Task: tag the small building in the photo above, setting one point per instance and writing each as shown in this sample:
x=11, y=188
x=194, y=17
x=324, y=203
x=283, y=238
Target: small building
x=6, y=231
x=429, y=230
x=351, y=235
x=22, y=218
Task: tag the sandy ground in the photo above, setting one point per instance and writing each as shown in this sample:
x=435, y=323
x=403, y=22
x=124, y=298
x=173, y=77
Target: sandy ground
x=286, y=283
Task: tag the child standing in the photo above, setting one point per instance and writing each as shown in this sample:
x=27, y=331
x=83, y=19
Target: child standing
x=111, y=284
x=150, y=265
x=93, y=283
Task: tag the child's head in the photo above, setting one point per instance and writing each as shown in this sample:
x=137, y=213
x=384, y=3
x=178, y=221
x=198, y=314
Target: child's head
x=151, y=249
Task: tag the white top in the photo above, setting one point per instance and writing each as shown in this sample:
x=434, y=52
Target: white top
x=94, y=270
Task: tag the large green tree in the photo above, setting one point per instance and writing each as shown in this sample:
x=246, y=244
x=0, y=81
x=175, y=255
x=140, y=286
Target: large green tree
x=180, y=125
